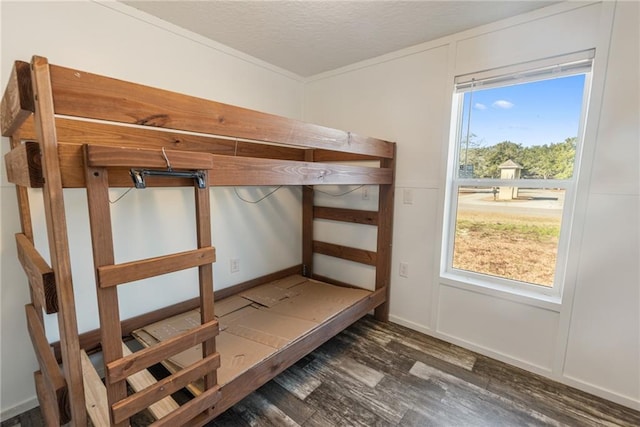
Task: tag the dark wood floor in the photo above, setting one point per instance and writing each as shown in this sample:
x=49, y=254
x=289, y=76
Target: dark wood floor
x=376, y=374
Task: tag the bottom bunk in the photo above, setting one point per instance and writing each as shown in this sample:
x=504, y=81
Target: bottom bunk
x=263, y=331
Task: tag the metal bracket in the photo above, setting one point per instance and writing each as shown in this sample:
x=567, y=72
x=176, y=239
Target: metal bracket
x=138, y=176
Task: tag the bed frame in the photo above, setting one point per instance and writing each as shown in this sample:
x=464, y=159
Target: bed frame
x=175, y=140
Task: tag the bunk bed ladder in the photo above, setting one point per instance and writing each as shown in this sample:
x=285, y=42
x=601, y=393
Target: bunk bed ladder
x=110, y=275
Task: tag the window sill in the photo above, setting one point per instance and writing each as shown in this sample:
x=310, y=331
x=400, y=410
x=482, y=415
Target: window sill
x=523, y=296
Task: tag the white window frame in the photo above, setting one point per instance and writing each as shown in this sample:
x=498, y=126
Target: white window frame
x=566, y=65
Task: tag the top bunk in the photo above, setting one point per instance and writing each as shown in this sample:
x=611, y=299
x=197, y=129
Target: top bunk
x=125, y=125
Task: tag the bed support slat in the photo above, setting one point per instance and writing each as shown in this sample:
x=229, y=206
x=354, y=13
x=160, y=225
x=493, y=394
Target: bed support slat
x=113, y=275
x=95, y=393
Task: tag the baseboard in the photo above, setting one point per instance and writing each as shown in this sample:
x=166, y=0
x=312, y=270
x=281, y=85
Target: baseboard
x=409, y=324
x=8, y=413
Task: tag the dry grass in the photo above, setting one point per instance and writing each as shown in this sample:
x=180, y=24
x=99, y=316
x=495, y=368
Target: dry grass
x=520, y=248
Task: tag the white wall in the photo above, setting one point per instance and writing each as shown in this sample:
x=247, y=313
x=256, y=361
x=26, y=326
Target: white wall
x=589, y=338
x=120, y=42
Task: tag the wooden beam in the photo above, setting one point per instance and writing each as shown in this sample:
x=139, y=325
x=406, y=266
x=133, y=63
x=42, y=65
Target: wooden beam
x=58, y=238
x=346, y=215
x=250, y=171
x=131, y=157
x=47, y=399
x=120, y=369
x=142, y=380
x=385, y=238
x=22, y=195
x=205, y=275
x=78, y=132
x=95, y=394
x=164, y=388
x=47, y=362
x=17, y=101
x=23, y=165
x=113, y=275
x=344, y=252
x=307, y=223
x=40, y=274
x=103, y=254
x=81, y=94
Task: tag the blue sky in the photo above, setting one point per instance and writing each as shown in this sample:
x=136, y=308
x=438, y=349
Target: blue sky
x=535, y=113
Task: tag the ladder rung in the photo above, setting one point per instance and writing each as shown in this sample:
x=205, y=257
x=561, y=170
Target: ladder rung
x=113, y=275
x=191, y=409
x=120, y=369
x=139, y=401
x=143, y=379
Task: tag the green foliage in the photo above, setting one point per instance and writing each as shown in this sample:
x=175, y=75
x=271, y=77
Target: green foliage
x=549, y=161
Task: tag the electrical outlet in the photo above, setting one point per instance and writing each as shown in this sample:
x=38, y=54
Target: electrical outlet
x=404, y=269
x=365, y=193
x=234, y=265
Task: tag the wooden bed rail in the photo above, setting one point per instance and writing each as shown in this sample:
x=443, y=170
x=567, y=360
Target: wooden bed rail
x=23, y=168
x=81, y=94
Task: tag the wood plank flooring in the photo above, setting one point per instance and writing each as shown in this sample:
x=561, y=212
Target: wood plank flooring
x=382, y=374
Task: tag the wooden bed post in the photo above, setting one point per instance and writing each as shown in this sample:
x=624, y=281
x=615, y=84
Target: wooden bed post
x=307, y=224
x=385, y=236
x=58, y=238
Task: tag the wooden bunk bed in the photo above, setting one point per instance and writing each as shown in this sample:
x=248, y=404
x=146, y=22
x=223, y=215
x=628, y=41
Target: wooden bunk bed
x=179, y=140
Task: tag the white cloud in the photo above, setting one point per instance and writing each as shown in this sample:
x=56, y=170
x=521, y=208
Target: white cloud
x=501, y=103
x=479, y=106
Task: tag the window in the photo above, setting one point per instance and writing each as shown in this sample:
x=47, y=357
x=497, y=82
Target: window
x=513, y=166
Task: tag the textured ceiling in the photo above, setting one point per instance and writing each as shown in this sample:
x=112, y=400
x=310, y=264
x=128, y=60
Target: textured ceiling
x=310, y=37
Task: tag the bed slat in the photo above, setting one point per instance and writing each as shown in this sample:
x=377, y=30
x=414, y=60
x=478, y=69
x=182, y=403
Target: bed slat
x=95, y=393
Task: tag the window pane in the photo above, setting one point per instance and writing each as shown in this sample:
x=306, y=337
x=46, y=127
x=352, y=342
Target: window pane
x=526, y=130
x=515, y=238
